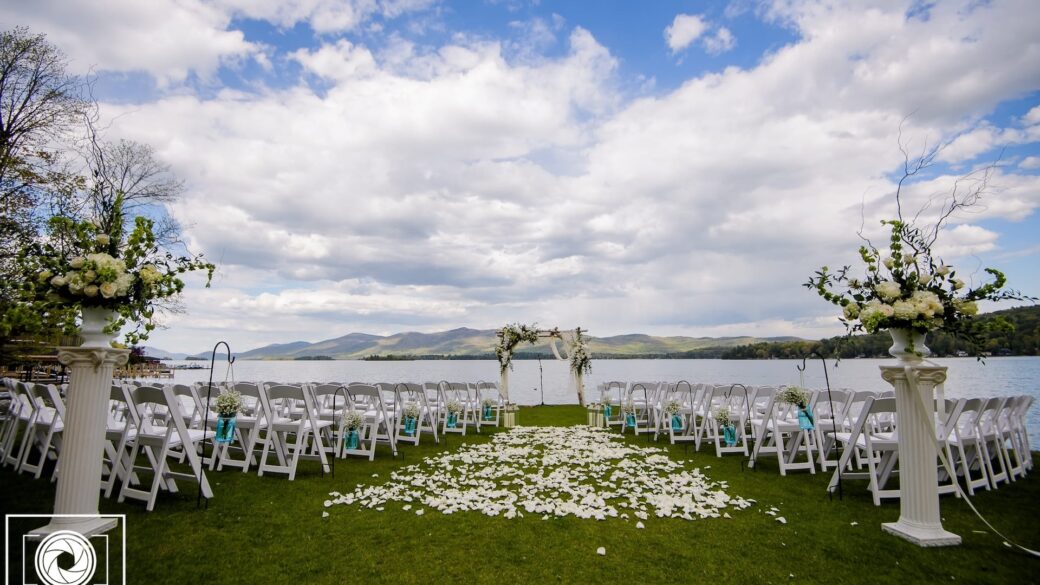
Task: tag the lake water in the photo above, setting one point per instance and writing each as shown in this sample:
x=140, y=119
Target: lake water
x=533, y=382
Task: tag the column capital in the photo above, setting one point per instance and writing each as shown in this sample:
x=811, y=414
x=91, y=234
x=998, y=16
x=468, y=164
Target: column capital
x=92, y=356
x=929, y=374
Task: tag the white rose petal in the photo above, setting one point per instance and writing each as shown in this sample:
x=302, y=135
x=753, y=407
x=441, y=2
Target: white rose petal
x=601, y=551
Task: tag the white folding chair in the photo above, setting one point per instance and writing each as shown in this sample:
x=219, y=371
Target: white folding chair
x=159, y=435
x=247, y=430
x=306, y=428
x=44, y=429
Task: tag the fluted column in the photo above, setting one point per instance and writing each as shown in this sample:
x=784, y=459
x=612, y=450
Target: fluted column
x=83, y=441
x=919, y=519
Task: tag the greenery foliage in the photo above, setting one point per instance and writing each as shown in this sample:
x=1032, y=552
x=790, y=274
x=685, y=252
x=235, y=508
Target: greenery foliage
x=81, y=265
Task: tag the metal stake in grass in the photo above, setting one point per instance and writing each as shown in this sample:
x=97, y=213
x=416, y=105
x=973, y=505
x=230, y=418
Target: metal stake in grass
x=834, y=419
x=745, y=426
x=205, y=415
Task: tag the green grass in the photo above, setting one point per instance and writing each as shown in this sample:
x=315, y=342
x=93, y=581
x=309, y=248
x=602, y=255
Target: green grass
x=269, y=530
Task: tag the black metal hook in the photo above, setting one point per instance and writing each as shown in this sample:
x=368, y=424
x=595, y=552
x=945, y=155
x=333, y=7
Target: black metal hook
x=834, y=419
x=747, y=425
x=205, y=415
x=346, y=402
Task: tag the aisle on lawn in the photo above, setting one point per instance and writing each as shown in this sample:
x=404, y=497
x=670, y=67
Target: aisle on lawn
x=269, y=530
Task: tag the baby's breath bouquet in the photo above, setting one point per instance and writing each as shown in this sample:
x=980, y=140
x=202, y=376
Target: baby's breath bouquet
x=84, y=265
x=794, y=395
x=411, y=410
x=229, y=403
x=454, y=407
x=907, y=288
x=672, y=408
x=721, y=416
x=352, y=420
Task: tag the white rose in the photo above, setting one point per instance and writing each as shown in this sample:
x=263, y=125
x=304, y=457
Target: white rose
x=103, y=239
x=889, y=263
x=924, y=278
x=89, y=276
x=908, y=260
x=942, y=270
x=77, y=262
x=888, y=290
x=91, y=290
x=958, y=284
x=904, y=310
x=108, y=290
x=59, y=281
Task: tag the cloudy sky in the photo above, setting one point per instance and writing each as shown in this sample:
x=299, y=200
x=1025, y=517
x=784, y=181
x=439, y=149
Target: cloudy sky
x=673, y=168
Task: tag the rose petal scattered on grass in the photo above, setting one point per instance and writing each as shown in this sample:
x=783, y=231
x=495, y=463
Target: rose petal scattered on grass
x=553, y=471
x=601, y=551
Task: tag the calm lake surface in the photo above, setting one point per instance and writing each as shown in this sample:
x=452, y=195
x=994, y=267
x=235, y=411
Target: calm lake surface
x=530, y=380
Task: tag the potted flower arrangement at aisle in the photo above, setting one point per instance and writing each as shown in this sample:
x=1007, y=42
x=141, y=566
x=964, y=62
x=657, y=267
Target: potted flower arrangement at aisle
x=454, y=410
x=487, y=408
x=799, y=398
x=228, y=405
x=909, y=292
x=112, y=279
x=352, y=421
x=724, y=421
x=672, y=411
x=411, y=413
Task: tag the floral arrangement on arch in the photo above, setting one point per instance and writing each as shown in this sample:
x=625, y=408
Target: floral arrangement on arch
x=84, y=265
x=581, y=360
x=907, y=288
x=511, y=336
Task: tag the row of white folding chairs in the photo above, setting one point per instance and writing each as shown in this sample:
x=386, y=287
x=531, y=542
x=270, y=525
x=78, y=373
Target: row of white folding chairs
x=984, y=440
x=31, y=431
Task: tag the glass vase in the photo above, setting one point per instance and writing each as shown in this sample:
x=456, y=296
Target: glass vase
x=805, y=418
x=606, y=410
x=487, y=413
x=729, y=434
x=630, y=420
x=453, y=420
x=676, y=423
x=225, y=429
x=352, y=439
x=409, y=425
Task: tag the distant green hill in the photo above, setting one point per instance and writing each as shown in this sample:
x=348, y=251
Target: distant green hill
x=1021, y=338
x=474, y=343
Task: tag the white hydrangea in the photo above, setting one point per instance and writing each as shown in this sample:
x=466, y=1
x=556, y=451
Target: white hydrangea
x=888, y=290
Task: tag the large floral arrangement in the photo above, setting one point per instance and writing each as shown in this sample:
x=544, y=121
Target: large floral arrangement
x=82, y=265
x=509, y=338
x=907, y=288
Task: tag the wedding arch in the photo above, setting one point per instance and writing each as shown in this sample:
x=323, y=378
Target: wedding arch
x=576, y=351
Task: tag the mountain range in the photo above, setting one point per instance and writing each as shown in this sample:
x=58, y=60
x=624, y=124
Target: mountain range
x=467, y=342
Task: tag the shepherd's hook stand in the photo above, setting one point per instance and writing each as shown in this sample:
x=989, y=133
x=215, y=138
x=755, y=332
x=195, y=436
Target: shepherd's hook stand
x=205, y=417
x=834, y=419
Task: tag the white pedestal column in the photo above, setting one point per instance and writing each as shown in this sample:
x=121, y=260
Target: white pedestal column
x=919, y=520
x=83, y=441
x=503, y=384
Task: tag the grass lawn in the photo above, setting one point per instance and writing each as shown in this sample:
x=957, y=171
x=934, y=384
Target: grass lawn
x=269, y=530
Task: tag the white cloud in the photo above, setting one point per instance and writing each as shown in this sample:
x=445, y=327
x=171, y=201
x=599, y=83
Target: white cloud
x=469, y=183
x=685, y=29
x=720, y=42
x=1030, y=163
x=166, y=38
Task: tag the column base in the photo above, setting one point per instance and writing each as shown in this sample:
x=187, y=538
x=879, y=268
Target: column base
x=925, y=536
x=87, y=526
